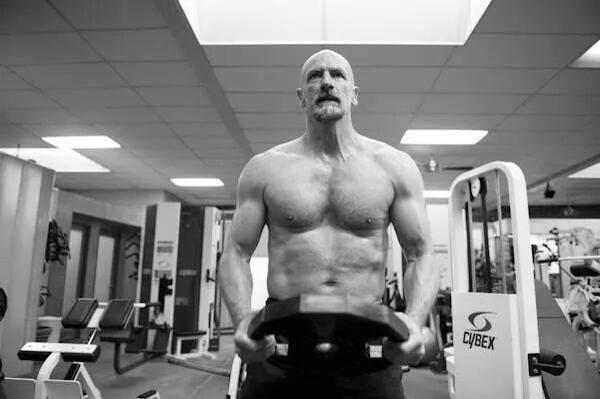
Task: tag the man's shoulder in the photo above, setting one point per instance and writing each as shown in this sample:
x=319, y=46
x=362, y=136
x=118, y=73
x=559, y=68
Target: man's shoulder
x=389, y=156
x=265, y=161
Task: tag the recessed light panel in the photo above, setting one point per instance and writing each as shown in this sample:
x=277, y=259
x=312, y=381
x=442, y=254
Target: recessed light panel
x=442, y=136
x=197, y=182
x=590, y=59
x=60, y=159
x=82, y=142
x=242, y=22
x=591, y=172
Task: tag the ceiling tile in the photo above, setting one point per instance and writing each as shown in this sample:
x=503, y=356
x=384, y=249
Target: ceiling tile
x=199, y=129
x=188, y=114
x=22, y=141
x=471, y=103
x=527, y=51
x=574, y=81
x=20, y=16
x=157, y=73
x=492, y=80
x=388, y=103
x=390, y=80
x=502, y=139
x=264, y=102
x=67, y=130
x=549, y=16
x=272, y=55
x=561, y=104
x=462, y=121
x=278, y=79
x=175, y=96
x=135, y=45
x=38, y=115
x=381, y=123
x=7, y=129
x=138, y=131
x=550, y=122
x=70, y=75
x=116, y=115
x=96, y=97
x=391, y=55
x=143, y=142
x=10, y=81
x=271, y=120
x=222, y=142
x=216, y=153
x=11, y=99
x=272, y=136
x=110, y=14
x=44, y=48
x=179, y=151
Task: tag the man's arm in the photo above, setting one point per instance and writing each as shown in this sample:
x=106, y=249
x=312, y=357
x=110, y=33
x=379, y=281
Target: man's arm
x=235, y=278
x=421, y=277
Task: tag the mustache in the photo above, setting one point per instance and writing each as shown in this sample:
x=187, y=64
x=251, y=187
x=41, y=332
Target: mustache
x=327, y=97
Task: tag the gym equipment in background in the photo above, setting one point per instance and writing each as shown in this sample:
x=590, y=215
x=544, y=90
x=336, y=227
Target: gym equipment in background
x=179, y=261
x=150, y=340
x=85, y=313
x=499, y=335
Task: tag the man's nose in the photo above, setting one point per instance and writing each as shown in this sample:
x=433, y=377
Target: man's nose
x=326, y=82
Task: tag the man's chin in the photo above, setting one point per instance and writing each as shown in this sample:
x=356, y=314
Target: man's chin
x=327, y=114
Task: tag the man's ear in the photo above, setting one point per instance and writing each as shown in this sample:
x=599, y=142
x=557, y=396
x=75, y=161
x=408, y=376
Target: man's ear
x=355, y=95
x=300, y=95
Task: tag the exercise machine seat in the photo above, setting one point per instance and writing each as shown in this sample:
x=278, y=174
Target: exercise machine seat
x=587, y=269
x=80, y=313
x=117, y=314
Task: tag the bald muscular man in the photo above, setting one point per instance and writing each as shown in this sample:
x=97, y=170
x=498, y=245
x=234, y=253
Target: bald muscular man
x=327, y=198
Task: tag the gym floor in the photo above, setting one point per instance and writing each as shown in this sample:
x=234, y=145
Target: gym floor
x=177, y=382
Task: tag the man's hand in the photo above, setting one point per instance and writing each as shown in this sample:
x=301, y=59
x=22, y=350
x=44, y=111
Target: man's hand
x=250, y=350
x=410, y=351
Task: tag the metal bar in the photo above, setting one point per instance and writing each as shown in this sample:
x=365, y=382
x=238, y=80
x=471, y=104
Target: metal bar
x=487, y=267
x=501, y=267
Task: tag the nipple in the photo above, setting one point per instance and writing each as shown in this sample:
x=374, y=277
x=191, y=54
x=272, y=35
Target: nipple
x=290, y=218
x=369, y=221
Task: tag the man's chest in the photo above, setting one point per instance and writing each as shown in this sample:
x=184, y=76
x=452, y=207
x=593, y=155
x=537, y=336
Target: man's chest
x=352, y=195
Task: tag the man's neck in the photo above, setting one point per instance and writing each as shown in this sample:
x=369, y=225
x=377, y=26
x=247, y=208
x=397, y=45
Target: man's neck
x=333, y=140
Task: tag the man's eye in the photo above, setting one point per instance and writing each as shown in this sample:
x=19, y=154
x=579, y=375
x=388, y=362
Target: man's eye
x=313, y=75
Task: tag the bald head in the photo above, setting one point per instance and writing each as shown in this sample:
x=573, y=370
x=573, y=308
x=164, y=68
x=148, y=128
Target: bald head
x=327, y=58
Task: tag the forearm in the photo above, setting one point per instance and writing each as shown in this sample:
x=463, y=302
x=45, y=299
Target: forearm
x=421, y=284
x=235, y=280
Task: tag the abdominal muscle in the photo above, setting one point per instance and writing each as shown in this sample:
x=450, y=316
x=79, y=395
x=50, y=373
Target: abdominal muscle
x=326, y=260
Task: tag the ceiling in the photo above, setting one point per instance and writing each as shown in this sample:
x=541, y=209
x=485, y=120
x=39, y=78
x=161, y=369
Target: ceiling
x=134, y=71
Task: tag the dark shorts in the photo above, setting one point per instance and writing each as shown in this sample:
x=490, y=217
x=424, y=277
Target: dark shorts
x=266, y=381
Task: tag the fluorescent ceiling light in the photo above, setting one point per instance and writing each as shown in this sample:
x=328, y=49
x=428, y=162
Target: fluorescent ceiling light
x=591, y=172
x=589, y=59
x=437, y=194
x=243, y=22
x=442, y=136
x=197, y=182
x=60, y=159
x=82, y=142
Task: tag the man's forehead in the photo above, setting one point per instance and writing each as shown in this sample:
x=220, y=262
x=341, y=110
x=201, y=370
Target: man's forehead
x=326, y=59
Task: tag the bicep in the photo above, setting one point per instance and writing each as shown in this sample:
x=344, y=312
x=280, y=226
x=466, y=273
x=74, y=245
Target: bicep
x=408, y=214
x=246, y=227
x=249, y=217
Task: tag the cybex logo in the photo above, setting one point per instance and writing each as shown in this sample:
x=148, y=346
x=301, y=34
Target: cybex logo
x=473, y=336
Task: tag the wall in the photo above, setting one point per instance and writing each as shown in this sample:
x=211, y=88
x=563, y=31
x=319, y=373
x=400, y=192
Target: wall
x=67, y=204
x=440, y=237
x=25, y=202
x=136, y=200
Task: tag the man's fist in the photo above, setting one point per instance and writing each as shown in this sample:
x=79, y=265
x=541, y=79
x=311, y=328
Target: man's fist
x=409, y=351
x=251, y=350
